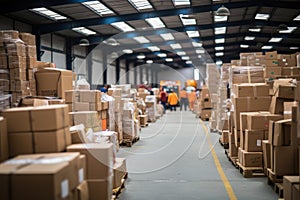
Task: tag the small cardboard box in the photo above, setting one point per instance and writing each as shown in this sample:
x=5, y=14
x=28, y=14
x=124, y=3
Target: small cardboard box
x=89, y=119
x=71, y=96
x=18, y=74
x=282, y=133
x=272, y=63
x=99, y=159
x=53, y=82
x=17, y=62
x=30, y=62
x=277, y=105
x=16, y=49
x=253, y=140
x=287, y=113
x=252, y=159
x=28, y=38
x=271, y=55
x=285, y=92
x=120, y=170
x=288, y=183
x=3, y=140
x=272, y=72
x=90, y=96
x=30, y=51
x=100, y=188
x=284, y=160
x=254, y=89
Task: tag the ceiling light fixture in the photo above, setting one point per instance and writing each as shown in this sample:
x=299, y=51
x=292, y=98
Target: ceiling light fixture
x=219, y=54
x=169, y=59
x=185, y=57
x=128, y=51
x=149, y=61
x=111, y=42
x=141, y=56
x=84, y=42
x=219, y=48
x=244, y=46
x=122, y=26
x=249, y=38
x=141, y=39
x=262, y=16
x=188, y=62
x=222, y=11
x=294, y=47
x=219, y=62
x=155, y=22
x=167, y=36
x=275, y=39
x=162, y=55
x=289, y=30
x=84, y=31
x=266, y=47
x=140, y=4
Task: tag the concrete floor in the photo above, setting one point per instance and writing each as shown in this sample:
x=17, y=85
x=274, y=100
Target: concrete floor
x=173, y=161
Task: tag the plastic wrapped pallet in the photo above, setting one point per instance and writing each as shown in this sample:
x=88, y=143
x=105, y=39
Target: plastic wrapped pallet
x=249, y=74
x=125, y=88
x=128, y=121
x=151, y=107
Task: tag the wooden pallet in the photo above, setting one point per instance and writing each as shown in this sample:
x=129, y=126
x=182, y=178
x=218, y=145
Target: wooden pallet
x=129, y=142
x=249, y=172
x=277, y=187
x=273, y=178
x=144, y=125
x=117, y=191
x=225, y=145
x=233, y=159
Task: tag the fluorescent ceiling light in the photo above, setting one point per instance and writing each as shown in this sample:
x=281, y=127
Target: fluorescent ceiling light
x=275, y=39
x=192, y=34
x=254, y=29
x=219, y=62
x=220, y=18
x=84, y=31
x=167, y=36
x=297, y=18
x=220, y=30
x=219, y=54
x=219, y=48
x=153, y=48
x=221, y=40
x=149, y=61
x=140, y=4
x=141, y=56
x=162, y=55
x=181, y=2
x=294, y=47
x=122, y=26
x=188, y=62
x=249, y=38
x=155, y=22
x=266, y=47
x=98, y=7
x=48, y=13
x=181, y=53
x=176, y=46
x=187, y=21
x=197, y=44
x=290, y=30
x=141, y=39
x=185, y=57
x=128, y=51
x=244, y=46
x=199, y=56
x=262, y=16
x=169, y=59
x=199, y=51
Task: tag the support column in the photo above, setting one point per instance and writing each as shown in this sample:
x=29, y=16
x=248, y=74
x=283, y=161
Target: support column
x=104, y=67
x=147, y=74
x=117, y=70
x=141, y=74
x=38, y=46
x=90, y=65
x=69, y=54
x=127, y=71
x=135, y=73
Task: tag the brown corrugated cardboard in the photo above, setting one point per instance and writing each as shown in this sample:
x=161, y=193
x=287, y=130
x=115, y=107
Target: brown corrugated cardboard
x=284, y=160
x=252, y=159
x=16, y=49
x=90, y=119
x=82, y=191
x=99, y=158
x=232, y=148
x=288, y=182
x=3, y=140
x=271, y=55
x=282, y=133
x=53, y=82
x=296, y=192
x=253, y=140
x=100, y=188
x=272, y=63
x=291, y=71
x=260, y=121
x=272, y=72
x=20, y=116
x=17, y=62
x=240, y=156
x=27, y=38
x=297, y=91
x=276, y=106
x=52, y=181
x=285, y=91
x=90, y=96
x=254, y=90
x=104, y=105
x=266, y=146
x=287, y=113
x=120, y=170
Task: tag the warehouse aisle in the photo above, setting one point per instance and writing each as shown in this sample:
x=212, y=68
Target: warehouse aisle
x=173, y=161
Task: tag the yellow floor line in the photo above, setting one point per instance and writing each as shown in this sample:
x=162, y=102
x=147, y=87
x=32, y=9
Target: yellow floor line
x=225, y=181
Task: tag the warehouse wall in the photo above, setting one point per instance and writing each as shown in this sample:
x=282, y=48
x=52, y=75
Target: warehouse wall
x=180, y=74
x=10, y=24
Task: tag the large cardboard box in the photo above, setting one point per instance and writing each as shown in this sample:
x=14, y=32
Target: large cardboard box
x=296, y=192
x=120, y=170
x=100, y=188
x=99, y=159
x=284, y=160
x=271, y=55
x=272, y=63
x=282, y=133
x=90, y=119
x=252, y=159
x=272, y=72
x=288, y=183
x=82, y=191
x=3, y=140
x=53, y=82
x=251, y=90
x=90, y=96
x=266, y=146
x=260, y=121
x=253, y=140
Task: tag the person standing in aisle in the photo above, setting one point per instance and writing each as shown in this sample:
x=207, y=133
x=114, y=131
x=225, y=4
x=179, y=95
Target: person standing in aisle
x=173, y=100
x=163, y=97
x=192, y=98
x=183, y=99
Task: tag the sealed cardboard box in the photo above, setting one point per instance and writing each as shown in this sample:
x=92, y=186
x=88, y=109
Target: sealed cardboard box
x=41, y=65
x=287, y=113
x=18, y=74
x=233, y=151
x=82, y=191
x=272, y=63
x=30, y=51
x=20, y=116
x=253, y=140
x=297, y=91
x=282, y=133
x=28, y=38
x=296, y=192
x=288, y=183
x=16, y=61
x=120, y=170
x=277, y=105
x=53, y=82
x=30, y=62
x=16, y=49
x=99, y=159
x=285, y=92
x=266, y=146
x=260, y=121
x=20, y=143
x=72, y=96
x=252, y=159
x=291, y=71
x=272, y=72
x=271, y=55
x=100, y=188
x=90, y=119
x=90, y=96
x=284, y=160
x=3, y=140
x=254, y=90
x=9, y=34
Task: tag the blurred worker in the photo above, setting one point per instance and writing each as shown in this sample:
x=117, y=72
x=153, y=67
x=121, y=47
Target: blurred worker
x=173, y=100
x=163, y=97
x=192, y=98
x=183, y=99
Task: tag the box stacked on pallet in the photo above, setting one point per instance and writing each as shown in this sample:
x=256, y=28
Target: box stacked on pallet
x=205, y=104
x=128, y=123
x=249, y=59
x=151, y=107
x=272, y=69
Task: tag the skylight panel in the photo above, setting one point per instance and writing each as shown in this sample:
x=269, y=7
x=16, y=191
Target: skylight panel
x=84, y=31
x=219, y=62
x=162, y=55
x=221, y=40
x=48, y=13
x=244, y=46
x=122, y=26
x=297, y=18
x=219, y=48
x=185, y=57
x=169, y=59
x=290, y=30
x=176, y=46
x=141, y=39
x=188, y=21
x=262, y=16
x=254, y=29
x=181, y=53
x=153, y=48
x=181, y=2
x=249, y=38
x=155, y=22
x=220, y=18
x=199, y=51
x=140, y=4
x=192, y=34
x=266, y=47
x=219, y=54
x=167, y=36
x=197, y=44
x=275, y=39
x=98, y=7
x=188, y=62
x=220, y=30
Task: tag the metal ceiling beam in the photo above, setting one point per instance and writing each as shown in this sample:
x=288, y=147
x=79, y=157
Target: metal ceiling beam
x=57, y=26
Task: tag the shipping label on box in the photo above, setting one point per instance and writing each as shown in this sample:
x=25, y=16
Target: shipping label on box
x=253, y=140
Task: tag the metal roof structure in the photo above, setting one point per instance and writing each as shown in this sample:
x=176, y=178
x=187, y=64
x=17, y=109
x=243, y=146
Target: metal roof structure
x=251, y=24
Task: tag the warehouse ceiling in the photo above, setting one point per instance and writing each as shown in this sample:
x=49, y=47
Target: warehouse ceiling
x=223, y=38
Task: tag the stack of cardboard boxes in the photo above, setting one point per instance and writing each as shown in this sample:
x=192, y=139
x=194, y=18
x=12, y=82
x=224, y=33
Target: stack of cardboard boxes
x=205, y=104
x=151, y=107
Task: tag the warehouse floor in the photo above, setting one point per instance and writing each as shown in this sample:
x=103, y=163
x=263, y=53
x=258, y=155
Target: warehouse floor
x=173, y=160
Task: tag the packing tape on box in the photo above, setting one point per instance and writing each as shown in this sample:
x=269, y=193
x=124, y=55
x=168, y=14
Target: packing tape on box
x=249, y=75
x=255, y=90
x=248, y=103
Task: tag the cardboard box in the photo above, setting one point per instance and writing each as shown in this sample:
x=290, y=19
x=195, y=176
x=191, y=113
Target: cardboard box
x=53, y=82
x=297, y=91
x=282, y=133
x=285, y=92
x=16, y=49
x=272, y=63
x=252, y=159
x=120, y=170
x=99, y=159
x=266, y=146
x=17, y=61
x=100, y=188
x=104, y=114
x=272, y=72
x=287, y=113
x=240, y=156
x=18, y=74
x=3, y=140
x=104, y=105
x=271, y=55
x=253, y=90
x=41, y=65
x=90, y=96
x=291, y=71
x=296, y=192
x=288, y=182
x=284, y=160
x=253, y=140
x=90, y=119
x=30, y=51
x=82, y=191
x=225, y=137
x=277, y=105
x=27, y=38
x=260, y=121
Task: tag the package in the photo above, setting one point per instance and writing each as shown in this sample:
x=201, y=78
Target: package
x=17, y=62
x=78, y=134
x=277, y=105
x=3, y=61
x=41, y=65
x=85, y=106
x=291, y=71
x=53, y=82
x=120, y=170
x=90, y=119
x=253, y=140
x=82, y=191
x=271, y=55
x=99, y=158
x=260, y=121
x=27, y=38
x=100, y=188
x=205, y=114
x=18, y=74
x=272, y=72
x=30, y=62
x=246, y=75
x=266, y=147
x=287, y=113
x=281, y=133
x=272, y=63
x=16, y=49
x=288, y=183
x=9, y=35
x=30, y=51
x=296, y=192
x=3, y=140
x=232, y=148
x=251, y=159
x=254, y=89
